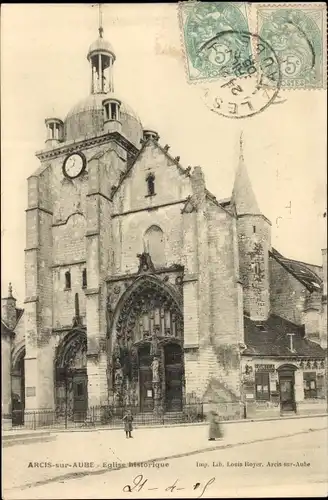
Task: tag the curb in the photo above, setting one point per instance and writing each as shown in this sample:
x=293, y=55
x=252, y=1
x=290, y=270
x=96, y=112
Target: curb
x=191, y=424
x=28, y=440
x=77, y=475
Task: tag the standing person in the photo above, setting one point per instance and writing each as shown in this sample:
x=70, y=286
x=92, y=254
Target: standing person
x=215, y=431
x=128, y=419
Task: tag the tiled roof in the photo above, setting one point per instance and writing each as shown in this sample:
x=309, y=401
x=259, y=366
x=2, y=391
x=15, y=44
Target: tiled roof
x=300, y=271
x=269, y=338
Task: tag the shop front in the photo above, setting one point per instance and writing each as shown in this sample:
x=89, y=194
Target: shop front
x=280, y=387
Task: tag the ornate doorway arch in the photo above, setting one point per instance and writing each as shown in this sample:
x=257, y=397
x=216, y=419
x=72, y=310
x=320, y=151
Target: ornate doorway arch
x=147, y=318
x=71, y=381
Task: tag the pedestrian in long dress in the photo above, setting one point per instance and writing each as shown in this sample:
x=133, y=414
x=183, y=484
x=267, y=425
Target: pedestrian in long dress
x=215, y=431
x=128, y=419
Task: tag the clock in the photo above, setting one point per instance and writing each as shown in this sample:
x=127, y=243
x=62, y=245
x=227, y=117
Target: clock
x=74, y=165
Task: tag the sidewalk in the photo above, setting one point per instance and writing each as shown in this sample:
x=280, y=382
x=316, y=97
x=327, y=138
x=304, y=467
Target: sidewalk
x=82, y=453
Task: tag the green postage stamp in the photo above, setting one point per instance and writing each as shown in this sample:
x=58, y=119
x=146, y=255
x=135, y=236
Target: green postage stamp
x=297, y=34
x=201, y=22
x=294, y=33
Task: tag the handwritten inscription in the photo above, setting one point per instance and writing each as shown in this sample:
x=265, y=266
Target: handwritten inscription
x=140, y=483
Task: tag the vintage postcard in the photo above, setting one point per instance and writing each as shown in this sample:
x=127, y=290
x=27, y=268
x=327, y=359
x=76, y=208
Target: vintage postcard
x=164, y=250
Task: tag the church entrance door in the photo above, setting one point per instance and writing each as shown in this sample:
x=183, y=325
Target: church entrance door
x=145, y=379
x=80, y=392
x=71, y=384
x=173, y=377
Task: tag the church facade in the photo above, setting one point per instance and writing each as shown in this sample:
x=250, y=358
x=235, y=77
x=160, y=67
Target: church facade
x=144, y=290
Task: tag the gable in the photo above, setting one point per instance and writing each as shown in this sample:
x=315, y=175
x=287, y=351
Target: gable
x=171, y=182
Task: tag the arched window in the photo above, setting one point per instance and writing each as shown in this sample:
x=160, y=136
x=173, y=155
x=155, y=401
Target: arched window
x=68, y=280
x=150, y=179
x=111, y=109
x=154, y=245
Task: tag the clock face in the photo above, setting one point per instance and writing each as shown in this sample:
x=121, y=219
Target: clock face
x=74, y=165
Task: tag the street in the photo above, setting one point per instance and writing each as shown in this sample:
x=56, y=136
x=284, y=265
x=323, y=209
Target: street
x=276, y=466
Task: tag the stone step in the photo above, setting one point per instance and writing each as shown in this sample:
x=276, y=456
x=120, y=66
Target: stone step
x=21, y=434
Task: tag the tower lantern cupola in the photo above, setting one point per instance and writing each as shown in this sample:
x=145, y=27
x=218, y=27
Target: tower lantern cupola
x=101, y=57
x=55, y=131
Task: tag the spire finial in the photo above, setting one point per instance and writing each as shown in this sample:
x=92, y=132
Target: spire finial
x=10, y=290
x=241, y=147
x=100, y=29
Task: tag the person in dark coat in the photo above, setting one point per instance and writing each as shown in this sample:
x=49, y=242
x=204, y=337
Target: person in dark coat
x=128, y=419
x=215, y=431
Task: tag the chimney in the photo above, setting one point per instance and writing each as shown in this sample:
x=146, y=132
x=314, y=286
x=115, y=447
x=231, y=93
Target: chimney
x=311, y=316
x=291, y=344
x=8, y=309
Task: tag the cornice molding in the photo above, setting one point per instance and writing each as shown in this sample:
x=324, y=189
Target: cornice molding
x=97, y=193
x=45, y=210
x=188, y=278
x=33, y=298
x=92, y=291
x=69, y=264
x=83, y=144
x=171, y=269
x=240, y=216
x=92, y=232
x=149, y=209
x=69, y=328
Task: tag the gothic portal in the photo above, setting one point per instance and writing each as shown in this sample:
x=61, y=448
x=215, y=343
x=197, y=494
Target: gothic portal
x=147, y=341
x=71, y=397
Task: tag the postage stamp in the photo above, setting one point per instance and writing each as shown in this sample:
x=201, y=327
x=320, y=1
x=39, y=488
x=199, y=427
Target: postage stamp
x=297, y=34
x=201, y=22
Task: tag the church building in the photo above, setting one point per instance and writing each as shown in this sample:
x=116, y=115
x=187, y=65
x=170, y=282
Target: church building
x=144, y=290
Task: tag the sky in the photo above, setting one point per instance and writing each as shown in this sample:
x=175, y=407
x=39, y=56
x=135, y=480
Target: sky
x=45, y=73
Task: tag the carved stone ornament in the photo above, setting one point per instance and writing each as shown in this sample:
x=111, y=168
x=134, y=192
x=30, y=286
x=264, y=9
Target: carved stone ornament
x=109, y=313
x=155, y=369
x=74, y=347
x=145, y=263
